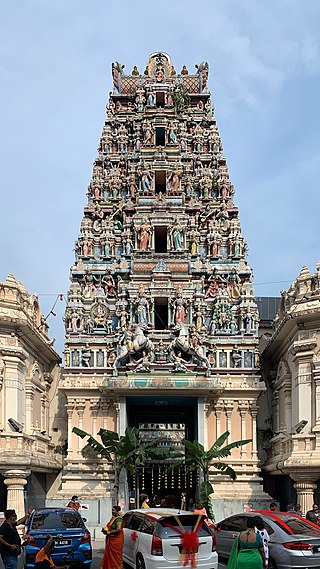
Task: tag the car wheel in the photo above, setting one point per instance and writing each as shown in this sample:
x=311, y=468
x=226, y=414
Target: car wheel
x=272, y=564
x=140, y=564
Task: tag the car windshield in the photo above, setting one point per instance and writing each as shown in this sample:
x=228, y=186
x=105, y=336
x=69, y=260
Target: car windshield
x=56, y=520
x=298, y=526
x=170, y=526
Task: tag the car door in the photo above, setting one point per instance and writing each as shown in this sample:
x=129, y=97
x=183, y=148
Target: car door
x=131, y=537
x=228, y=530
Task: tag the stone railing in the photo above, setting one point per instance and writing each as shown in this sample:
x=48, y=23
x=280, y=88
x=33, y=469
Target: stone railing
x=31, y=445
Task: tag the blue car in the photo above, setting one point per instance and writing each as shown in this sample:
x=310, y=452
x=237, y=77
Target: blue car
x=71, y=538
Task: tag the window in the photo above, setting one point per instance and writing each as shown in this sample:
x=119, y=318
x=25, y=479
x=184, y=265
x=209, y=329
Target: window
x=135, y=522
x=161, y=313
x=148, y=526
x=160, y=99
x=56, y=520
x=160, y=239
x=160, y=136
x=169, y=526
x=235, y=523
x=160, y=182
x=297, y=526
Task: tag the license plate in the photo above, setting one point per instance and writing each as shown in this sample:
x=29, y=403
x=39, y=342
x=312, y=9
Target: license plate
x=61, y=542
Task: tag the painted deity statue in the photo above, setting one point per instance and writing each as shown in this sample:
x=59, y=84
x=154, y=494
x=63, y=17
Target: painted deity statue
x=144, y=235
x=142, y=308
x=177, y=236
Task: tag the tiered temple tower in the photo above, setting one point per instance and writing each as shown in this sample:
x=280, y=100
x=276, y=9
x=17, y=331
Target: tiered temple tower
x=161, y=321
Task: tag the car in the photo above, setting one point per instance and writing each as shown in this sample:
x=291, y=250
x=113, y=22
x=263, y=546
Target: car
x=294, y=542
x=71, y=538
x=152, y=539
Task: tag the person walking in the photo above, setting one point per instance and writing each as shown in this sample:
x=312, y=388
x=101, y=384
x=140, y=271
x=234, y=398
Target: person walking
x=113, y=531
x=247, y=551
x=10, y=541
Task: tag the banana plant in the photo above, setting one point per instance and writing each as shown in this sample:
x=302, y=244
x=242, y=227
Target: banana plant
x=198, y=458
x=125, y=451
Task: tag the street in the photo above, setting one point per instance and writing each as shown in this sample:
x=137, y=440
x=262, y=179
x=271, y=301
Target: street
x=97, y=554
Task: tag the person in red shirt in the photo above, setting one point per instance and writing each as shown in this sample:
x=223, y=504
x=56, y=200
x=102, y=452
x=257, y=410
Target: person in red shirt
x=74, y=503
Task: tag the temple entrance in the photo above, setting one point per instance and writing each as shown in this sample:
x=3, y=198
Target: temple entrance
x=156, y=481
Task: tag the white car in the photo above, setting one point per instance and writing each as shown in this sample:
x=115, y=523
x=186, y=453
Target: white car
x=152, y=539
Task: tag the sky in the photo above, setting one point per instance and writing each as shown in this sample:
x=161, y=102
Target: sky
x=55, y=76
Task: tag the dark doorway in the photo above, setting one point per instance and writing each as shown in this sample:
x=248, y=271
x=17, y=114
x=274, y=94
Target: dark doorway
x=160, y=136
x=169, y=421
x=160, y=181
x=160, y=239
x=160, y=99
x=161, y=313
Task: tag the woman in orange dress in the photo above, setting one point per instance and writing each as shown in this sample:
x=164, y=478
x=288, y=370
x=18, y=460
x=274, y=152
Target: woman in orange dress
x=113, y=531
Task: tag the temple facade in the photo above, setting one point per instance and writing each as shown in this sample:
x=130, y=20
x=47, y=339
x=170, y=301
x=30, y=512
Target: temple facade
x=161, y=320
x=291, y=418
x=30, y=433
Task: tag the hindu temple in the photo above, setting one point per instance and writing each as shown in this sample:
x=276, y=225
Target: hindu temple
x=161, y=319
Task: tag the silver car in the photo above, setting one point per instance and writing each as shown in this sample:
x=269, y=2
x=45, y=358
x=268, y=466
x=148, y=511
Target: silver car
x=294, y=542
x=152, y=539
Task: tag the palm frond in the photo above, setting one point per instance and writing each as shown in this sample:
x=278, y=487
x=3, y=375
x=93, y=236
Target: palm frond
x=226, y=469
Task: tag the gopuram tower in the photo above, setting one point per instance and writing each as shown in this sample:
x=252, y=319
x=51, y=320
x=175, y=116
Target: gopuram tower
x=161, y=320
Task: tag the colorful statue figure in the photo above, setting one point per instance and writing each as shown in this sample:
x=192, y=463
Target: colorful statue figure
x=117, y=71
x=151, y=100
x=179, y=307
x=203, y=72
x=144, y=235
x=177, y=236
x=142, y=308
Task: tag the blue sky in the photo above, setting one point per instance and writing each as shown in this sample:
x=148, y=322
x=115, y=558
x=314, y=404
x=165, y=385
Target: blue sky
x=55, y=69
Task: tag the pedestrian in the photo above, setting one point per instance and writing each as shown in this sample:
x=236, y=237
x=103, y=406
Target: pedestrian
x=113, y=531
x=191, y=505
x=290, y=509
x=273, y=507
x=10, y=541
x=145, y=502
x=247, y=549
x=43, y=557
x=74, y=503
x=261, y=530
x=200, y=509
x=312, y=515
x=297, y=509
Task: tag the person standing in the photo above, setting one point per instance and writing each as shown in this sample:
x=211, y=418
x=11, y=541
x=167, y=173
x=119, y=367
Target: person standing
x=10, y=541
x=247, y=549
x=312, y=515
x=261, y=530
x=113, y=531
x=273, y=507
x=74, y=503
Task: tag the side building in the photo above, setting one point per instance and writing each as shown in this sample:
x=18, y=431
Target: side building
x=29, y=376
x=291, y=364
x=161, y=320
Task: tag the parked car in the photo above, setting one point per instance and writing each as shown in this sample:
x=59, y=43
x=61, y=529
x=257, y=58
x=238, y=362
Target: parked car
x=152, y=539
x=294, y=541
x=71, y=538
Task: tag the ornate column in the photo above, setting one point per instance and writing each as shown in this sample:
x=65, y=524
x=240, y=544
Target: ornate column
x=94, y=408
x=69, y=409
x=305, y=493
x=254, y=412
x=243, y=409
x=288, y=407
x=80, y=405
x=29, y=394
x=15, y=480
x=218, y=410
x=228, y=407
